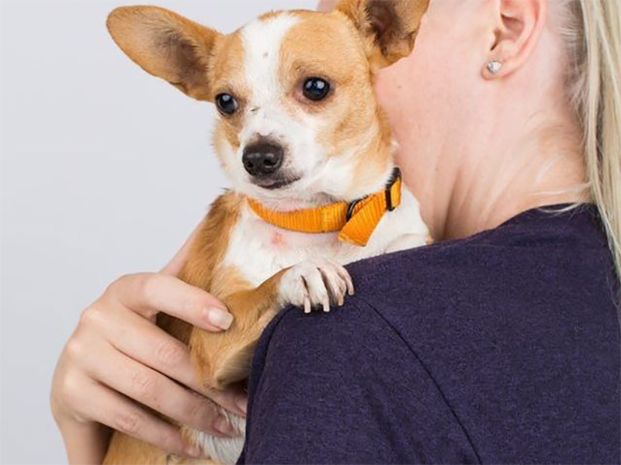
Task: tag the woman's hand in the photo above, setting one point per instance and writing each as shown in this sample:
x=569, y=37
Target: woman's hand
x=118, y=361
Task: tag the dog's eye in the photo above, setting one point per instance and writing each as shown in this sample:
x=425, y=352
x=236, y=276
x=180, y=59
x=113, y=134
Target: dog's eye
x=316, y=88
x=226, y=103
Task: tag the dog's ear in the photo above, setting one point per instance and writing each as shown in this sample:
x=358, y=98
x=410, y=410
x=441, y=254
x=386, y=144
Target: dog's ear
x=389, y=27
x=166, y=45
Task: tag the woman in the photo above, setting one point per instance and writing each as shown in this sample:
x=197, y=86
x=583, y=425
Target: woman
x=498, y=344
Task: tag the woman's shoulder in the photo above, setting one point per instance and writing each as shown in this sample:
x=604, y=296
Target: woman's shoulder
x=557, y=229
x=540, y=287
x=543, y=258
x=344, y=387
x=542, y=281
x=509, y=337
x=537, y=294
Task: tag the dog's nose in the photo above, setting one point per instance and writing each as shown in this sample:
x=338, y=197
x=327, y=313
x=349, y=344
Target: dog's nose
x=262, y=158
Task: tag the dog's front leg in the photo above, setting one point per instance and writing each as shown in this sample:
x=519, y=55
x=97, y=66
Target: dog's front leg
x=224, y=358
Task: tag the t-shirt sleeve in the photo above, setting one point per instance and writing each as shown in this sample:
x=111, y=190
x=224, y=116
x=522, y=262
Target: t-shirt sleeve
x=343, y=387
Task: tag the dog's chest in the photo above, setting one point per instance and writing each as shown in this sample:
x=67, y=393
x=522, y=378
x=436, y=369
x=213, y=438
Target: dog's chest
x=258, y=250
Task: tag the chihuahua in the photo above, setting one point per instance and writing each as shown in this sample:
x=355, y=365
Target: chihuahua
x=309, y=154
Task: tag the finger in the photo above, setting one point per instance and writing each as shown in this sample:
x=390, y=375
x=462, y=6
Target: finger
x=150, y=388
x=151, y=293
x=233, y=399
x=103, y=405
x=176, y=263
x=152, y=346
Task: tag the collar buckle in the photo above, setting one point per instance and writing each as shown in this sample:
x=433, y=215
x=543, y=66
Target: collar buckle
x=351, y=207
x=390, y=205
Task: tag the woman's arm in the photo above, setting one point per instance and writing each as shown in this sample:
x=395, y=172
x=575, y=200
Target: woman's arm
x=118, y=361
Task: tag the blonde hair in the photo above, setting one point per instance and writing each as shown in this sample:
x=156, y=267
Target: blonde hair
x=592, y=30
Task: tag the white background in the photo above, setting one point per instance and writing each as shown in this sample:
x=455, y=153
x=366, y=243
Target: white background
x=105, y=170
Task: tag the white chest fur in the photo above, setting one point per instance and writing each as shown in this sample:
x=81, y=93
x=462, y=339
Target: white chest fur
x=258, y=250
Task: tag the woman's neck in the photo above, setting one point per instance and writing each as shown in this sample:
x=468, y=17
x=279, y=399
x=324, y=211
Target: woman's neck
x=541, y=166
x=517, y=153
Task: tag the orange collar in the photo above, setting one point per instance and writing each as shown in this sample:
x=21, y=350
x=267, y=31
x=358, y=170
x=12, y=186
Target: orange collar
x=355, y=221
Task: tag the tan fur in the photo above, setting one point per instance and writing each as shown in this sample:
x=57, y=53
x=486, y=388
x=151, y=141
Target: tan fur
x=124, y=449
x=224, y=358
x=227, y=76
x=143, y=33
x=389, y=28
x=300, y=58
x=211, y=241
x=334, y=37
x=202, y=63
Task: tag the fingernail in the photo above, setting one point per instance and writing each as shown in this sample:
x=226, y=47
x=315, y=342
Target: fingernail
x=222, y=425
x=193, y=451
x=217, y=317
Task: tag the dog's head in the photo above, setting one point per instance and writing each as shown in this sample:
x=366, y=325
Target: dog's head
x=298, y=117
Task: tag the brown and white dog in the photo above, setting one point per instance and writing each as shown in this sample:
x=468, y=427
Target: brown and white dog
x=309, y=154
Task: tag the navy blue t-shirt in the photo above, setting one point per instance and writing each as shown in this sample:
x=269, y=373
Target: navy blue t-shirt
x=500, y=348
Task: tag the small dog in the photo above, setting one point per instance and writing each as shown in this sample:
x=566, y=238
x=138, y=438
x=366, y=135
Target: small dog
x=310, y=156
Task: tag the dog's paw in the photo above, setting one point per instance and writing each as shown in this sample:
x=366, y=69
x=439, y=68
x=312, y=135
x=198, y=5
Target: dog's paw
x=315, y=283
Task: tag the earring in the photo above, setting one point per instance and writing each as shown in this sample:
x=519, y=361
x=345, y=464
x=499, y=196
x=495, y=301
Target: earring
x=494, y=66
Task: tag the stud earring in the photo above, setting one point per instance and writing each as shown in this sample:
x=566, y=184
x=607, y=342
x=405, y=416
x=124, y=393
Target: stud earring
x=494, y=66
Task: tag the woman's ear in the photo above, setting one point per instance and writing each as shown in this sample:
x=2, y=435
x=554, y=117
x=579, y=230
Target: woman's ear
x=166, y=45
x=518, y=26
x=389, y=27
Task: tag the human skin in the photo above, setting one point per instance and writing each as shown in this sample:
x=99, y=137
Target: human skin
x=475, y=148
